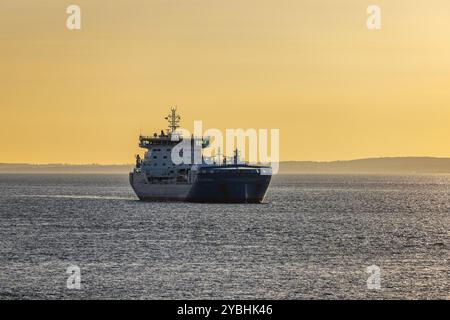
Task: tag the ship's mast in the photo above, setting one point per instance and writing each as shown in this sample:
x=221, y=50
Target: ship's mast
x=174, y=120
x=219, y=155
x=236, y=156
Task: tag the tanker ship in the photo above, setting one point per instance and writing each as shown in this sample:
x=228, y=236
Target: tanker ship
x=156, y=177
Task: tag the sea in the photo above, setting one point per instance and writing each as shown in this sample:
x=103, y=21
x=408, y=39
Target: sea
x=316, y=236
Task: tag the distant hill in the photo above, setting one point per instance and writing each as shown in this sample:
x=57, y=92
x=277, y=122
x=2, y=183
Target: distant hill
x=63, y=168
x=406, y=165
x=402, y=165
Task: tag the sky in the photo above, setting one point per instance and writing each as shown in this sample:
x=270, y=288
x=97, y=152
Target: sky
x=312, y=69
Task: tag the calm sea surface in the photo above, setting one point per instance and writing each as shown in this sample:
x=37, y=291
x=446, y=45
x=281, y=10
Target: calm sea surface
x=313, y=238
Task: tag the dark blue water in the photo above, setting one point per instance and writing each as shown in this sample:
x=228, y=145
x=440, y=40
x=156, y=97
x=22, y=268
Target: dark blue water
x=313, y=238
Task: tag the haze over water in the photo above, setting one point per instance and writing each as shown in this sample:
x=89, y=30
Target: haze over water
x=313, y=238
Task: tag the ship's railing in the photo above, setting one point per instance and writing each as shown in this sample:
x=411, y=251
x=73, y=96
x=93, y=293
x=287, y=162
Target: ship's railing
x=222, y=161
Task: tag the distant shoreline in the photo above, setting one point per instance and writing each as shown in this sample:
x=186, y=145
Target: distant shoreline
x=391, y=165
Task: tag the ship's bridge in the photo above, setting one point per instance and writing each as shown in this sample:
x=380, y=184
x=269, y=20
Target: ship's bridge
x=157, y=164
x=150, y=141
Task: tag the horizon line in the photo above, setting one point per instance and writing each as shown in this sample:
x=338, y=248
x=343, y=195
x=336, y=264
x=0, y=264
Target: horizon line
x=281, y=161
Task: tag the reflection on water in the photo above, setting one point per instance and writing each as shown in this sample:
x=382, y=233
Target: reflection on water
x=313, y=238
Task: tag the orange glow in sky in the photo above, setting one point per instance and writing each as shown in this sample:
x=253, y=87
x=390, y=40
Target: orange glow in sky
x=312, y=69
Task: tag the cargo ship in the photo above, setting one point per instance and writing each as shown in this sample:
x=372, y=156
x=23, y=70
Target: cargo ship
x=156, y=177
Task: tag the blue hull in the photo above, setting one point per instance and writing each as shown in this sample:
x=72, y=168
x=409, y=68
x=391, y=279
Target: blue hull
x=230, y=184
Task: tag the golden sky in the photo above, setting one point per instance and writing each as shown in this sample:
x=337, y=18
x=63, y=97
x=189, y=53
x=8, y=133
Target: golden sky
x=310, y=68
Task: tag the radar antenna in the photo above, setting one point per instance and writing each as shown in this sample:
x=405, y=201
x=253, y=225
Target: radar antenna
x=174, y=120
